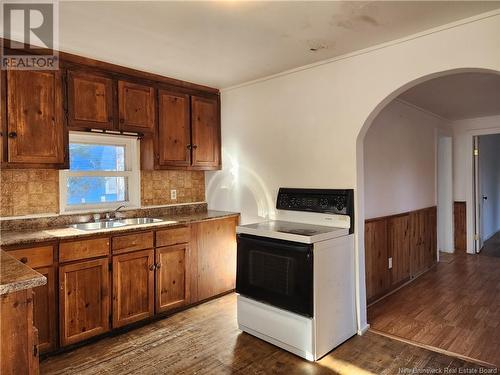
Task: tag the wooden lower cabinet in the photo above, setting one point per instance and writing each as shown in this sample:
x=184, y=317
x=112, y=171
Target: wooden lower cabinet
x=44, y=311
x=172, y=277
x=191, y=263
x=41, y=259
x=18, y=344
x=213, y=243
x=133, y=287
x=83, y=300
x=408, y=241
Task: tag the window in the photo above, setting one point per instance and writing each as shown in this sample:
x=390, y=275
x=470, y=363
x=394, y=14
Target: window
x=103, y=172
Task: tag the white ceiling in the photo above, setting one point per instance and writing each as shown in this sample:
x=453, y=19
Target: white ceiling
x=224, y=43
x=458, y=96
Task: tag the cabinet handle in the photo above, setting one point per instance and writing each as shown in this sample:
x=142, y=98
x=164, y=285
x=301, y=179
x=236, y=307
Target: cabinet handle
x=152, y=267
x=189, y=147
x=12, y=135
x=195, y=147
x=158, y=266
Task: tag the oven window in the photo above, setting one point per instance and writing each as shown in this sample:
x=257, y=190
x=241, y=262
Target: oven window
x=272, y=272
x=276, y=272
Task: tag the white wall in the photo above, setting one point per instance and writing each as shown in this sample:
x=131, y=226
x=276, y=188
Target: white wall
x=400, y=161
x=462, y=149
x=306, y=127
x=489, y=183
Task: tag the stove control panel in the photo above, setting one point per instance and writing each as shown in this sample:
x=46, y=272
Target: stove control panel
x=333, y=201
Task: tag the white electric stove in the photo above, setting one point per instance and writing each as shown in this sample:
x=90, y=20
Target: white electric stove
x=295, y=276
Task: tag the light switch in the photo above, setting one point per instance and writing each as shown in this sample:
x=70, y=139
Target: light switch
x=173, y=194
x=390, y=263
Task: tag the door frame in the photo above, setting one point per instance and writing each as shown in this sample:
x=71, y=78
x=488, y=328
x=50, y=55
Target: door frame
x=471, y=204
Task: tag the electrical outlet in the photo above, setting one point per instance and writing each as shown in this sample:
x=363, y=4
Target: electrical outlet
x=390, y=263
x=173, y=194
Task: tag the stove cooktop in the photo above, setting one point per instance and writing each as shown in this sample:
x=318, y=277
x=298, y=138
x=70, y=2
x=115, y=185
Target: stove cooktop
x=292, y=231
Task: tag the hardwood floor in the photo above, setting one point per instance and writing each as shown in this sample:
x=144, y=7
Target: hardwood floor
x=492, y=246
x=455, y=307
x=206, y=340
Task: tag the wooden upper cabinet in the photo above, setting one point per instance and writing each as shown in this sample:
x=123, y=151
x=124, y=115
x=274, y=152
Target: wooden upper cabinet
x=90, y=101
x=133, y=287
x=205, y=127
x=174, y=133
x=35, y=117
x=83, y=300
x=136, y=107
x=172, y=279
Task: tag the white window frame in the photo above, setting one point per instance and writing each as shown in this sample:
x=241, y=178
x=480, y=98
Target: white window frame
x=132, y=172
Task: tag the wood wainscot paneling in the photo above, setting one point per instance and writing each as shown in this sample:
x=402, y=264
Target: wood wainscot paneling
x=376, y=258
x=398, y=248
x=460, y=226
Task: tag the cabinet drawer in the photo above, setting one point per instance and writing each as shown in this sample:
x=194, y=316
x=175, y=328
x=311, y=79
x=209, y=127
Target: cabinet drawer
x=85, y=249
x=132, y=242
x=35, y=256
x=173, y=236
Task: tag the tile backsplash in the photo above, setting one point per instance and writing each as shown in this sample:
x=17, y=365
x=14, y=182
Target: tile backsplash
x=36, y=191
x=29, y=191
x=156, y=186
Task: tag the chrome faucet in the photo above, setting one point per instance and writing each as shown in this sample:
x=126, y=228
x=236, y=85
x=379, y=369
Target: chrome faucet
x=112, y=214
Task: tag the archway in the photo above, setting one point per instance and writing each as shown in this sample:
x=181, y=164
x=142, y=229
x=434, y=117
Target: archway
x=360, y=186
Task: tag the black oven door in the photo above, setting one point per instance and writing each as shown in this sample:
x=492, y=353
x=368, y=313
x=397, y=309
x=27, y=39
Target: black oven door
x=277, y=272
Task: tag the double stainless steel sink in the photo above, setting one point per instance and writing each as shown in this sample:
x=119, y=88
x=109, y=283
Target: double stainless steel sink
x=116, y=223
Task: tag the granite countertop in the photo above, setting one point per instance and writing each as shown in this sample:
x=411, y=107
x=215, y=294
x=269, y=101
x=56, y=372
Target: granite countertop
x=15, y=276
x=13, y=237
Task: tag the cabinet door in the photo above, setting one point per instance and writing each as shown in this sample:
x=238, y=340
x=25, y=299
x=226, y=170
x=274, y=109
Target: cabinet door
x=133, y=287
x=172, y=277
x=90, y=101
x=174, y=135
x=214, y=245
x=3, y=117
x=84, y=300
x=136, y=107
x=35, y=124
x=18, y=341
x=376, y=259
x=205, y=127
x=44, y=311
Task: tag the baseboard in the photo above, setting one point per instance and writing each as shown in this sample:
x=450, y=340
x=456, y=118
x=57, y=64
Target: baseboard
x=363, y=329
